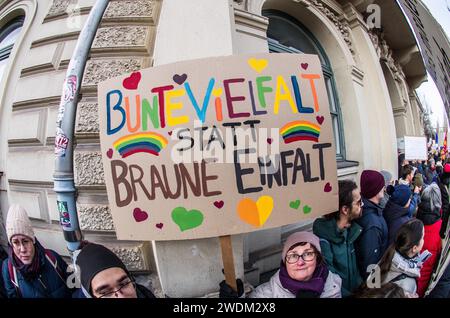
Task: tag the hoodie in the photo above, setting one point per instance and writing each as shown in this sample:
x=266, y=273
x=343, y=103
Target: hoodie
x=338, y=251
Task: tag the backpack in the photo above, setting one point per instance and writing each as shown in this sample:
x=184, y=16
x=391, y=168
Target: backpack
x=13, y=272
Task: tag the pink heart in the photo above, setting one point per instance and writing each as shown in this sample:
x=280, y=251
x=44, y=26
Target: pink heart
x=269, y=140
x=159, y=225
x=132, y=81
x=219, y=204
x=320, y=119
x=304, y=66
x=327, y=187
x=139, y=215
x=110, y=153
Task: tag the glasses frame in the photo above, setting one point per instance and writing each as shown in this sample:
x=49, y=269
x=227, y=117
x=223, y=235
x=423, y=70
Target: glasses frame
x=132, y=281
x=302, y=256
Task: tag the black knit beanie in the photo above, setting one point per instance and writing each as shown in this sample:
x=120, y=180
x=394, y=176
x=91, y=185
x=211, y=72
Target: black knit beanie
x=93, y=259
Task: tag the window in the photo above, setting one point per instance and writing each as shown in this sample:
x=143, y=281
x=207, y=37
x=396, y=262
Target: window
x=8, y=36
x=287, y=35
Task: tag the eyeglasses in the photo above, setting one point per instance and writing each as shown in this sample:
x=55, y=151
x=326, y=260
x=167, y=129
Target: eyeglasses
x=125, y=287
x=307, y=257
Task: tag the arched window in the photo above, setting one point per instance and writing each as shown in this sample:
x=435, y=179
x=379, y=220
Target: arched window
x=8, y=36
x=287, y=35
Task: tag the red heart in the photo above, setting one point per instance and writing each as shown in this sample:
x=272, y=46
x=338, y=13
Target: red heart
x=269, y=140
x=110, y=153
x=139, y=215
x=159, y=225
x=170, y=133
x=304, y=66
x=132, y=81
x=320, y=119
x=219, y=204
x=327, y=187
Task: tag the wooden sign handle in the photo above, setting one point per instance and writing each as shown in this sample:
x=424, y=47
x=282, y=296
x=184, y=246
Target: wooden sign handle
x=228, y=262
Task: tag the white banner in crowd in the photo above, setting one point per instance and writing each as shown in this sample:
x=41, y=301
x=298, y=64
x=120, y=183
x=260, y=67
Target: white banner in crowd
x=415, y=148
x=433, y=43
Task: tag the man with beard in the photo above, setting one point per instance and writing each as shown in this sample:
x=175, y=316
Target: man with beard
x=338, y=232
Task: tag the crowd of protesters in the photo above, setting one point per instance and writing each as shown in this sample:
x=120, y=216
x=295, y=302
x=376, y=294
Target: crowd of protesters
x=384, y=241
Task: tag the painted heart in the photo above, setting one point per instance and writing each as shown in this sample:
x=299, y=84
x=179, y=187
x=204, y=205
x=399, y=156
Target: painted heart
x=304, y=66
x=110, y=153
x=140, y=215
x=294, y=204
x=258, y=65
x=320, y=119
x=219, y=204
x=170, y=133
x=217, y=92
x=307, y=209
x=269, y=141
x=255, y=213
x=327, y=187
x=159, y=225
x=187, y=219
x=179, y=79
x=132, y=82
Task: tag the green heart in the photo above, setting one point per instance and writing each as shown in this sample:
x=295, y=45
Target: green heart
x=187, y=219
x=307, y=209
x=294, y=204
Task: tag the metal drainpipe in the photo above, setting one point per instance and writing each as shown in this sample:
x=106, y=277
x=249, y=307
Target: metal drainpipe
x=63, y=176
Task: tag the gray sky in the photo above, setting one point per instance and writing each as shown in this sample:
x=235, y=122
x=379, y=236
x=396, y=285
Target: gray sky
x=440, y=9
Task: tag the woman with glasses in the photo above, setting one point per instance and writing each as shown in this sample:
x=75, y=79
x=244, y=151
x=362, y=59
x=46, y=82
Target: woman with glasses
x=103, y=275
x=31, y=271
x=302, y=274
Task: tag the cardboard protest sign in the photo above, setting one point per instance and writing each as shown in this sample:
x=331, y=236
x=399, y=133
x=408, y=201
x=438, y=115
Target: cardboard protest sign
x=416, y=148
x=217, y=146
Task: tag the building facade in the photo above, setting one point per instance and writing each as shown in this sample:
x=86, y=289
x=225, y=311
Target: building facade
x=371, y=63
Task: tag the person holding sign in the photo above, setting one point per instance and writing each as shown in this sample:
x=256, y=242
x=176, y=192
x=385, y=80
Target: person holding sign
x=303, y=273
x=103, y=275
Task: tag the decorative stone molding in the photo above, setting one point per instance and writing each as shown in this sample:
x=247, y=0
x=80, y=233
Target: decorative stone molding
x=121, y=36
x=95, y=218
x=59, y=7
x=132, y=257
x=130, y=8
x=385, y=54
x=89, y=168
x=100, y=70
x=87, y=118
x=342, y=26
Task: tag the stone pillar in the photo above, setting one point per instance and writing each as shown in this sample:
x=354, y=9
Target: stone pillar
x=189, y=30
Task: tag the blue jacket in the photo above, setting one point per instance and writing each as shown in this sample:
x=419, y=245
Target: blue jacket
x=48, y=284
x=373, y=241
x=395, y=217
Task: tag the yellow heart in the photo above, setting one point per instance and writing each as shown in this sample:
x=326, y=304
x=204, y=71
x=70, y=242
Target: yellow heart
x=258, y=65
x=217, y=92
x=255, y=214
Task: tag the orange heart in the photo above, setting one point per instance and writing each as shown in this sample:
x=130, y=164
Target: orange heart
x=255, y=213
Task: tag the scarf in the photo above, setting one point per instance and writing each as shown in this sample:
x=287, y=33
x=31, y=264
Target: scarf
x=312, y=288
x=32, y=270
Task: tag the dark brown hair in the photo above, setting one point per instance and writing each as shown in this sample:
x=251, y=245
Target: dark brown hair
x=389, y=290
x=346, y=188
x=406, y=170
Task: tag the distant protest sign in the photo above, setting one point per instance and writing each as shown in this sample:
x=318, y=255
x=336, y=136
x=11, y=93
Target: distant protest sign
x=217, y=146
x=416, y=148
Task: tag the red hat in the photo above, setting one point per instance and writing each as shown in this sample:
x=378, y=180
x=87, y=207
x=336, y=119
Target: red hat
x=447, y=168
x=372, y=182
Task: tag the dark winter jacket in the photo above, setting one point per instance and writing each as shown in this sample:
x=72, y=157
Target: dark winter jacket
x=395, y=216
x=442, y=288
x=3, y=256
x=50, y=283
x=372, y=243
x=339, y=252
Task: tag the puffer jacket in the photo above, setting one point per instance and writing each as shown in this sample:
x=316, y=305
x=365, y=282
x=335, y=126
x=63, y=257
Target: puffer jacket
x=50, y=283
x=407, y=270
x=274, y=289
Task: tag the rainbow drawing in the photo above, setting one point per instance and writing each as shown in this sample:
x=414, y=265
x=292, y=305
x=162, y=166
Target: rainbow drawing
x=148, y=142
x=300, y=131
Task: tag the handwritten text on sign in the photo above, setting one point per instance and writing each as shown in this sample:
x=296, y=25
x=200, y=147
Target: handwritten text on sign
x=217, y=146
